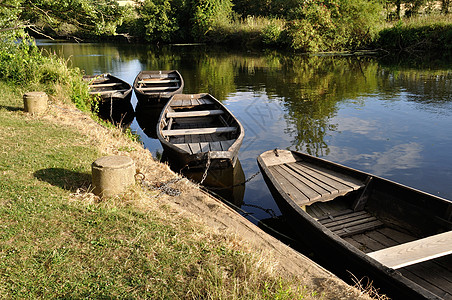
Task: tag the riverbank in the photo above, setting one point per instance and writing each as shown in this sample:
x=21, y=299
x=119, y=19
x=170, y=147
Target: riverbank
x=59, y=240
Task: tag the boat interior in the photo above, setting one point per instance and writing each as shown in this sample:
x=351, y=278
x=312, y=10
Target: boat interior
x=392, y=224
x=105, y=85
x=158, y=83
x=198, y=125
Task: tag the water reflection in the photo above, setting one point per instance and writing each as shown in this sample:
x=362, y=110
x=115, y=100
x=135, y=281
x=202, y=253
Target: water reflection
x=147, y=116
x=229, y=183
x=119, y=113
x=380, y=116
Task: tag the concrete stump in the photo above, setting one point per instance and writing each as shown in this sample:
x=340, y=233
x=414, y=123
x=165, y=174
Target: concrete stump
x=112, y=175
x=35, y=102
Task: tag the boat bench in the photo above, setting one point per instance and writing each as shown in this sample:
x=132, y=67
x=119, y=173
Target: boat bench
x=173, y=132
x=157, y=80
x=99, y=85
x=107, y=92
x=415, y=252
x=200, y=113
x=165, y=88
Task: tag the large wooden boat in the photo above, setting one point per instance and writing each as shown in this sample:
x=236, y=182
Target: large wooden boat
x=157, y=86
x=395, y=235
x=196, y=130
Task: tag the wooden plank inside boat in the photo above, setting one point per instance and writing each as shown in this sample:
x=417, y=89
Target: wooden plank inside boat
x=416, y=251
x=198, y=131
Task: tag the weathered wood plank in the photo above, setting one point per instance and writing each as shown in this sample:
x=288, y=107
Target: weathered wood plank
x=176, y=103
x=358, y=228
x=183, y=147
x=195, y=147
x=204, y=147
x=337, y=180
x=311, y=194
x=313, y=184
x=157, y=80
x=198, y=131
x=107, y=92
x=309, y=175
x=349, y=218
x=215, y=146
x=200, y=113
x=101, y=85
x=293, y=192
x=416, y=251
x=225, y=145
x=157, y=88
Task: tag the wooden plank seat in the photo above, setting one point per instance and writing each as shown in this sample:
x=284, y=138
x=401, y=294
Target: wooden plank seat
x=199, y=113
x=415, y=252
x=99, y=85
x=306, y=183
x=158, y=80
x=173, y=132
x=163, y=88
x=107, y=92
x=350, y=222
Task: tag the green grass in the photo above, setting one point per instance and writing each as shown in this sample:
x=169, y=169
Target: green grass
x=54, y=246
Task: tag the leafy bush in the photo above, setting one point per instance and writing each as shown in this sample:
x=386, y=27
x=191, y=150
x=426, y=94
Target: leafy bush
x=332, y=25
x=206, y=14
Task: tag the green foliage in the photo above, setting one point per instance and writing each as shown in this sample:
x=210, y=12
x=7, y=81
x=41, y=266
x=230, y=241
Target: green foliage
x=159, y=22
x=410, y=37
x=206, y=14
x=332, y=25
x=75, y=17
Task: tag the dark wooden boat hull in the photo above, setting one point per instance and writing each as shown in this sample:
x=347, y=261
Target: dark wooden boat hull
x=171, y=83
x=223, y=155
x=341, y=256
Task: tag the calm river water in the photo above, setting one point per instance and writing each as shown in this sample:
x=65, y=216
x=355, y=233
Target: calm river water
x=393, y=119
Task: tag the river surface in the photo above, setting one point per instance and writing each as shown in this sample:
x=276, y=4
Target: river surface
x=389, y=117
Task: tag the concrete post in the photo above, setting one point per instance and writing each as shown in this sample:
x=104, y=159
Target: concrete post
x=35, y=102
x=112, y=175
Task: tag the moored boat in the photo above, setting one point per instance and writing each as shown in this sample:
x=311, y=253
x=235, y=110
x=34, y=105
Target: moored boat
x=196, y=131
x=157, y=86
x=113, y=98
x=109, y=87
x=399, y=237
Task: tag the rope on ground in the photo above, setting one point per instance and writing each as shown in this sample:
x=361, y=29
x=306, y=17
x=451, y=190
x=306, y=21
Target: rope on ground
x=163, y=187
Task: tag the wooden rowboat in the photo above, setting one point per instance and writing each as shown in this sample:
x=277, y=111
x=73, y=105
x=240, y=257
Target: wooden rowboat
x=157, y=86
x=197, y=129
x=109, y=87
x=113, y=95
x=399, y=237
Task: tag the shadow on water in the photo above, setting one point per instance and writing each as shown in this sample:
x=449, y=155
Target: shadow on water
x=147, y=116
x=63, y=178
x=119, y=113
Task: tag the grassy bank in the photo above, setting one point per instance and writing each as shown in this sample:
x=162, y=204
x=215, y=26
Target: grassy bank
x=57, y=241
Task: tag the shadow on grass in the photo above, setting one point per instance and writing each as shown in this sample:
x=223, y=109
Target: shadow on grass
x=63, y=178
x=11, y=108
